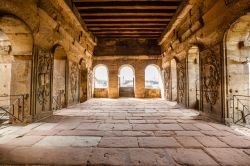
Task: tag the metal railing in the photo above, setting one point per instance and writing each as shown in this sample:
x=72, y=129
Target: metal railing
x=241, y=109
x=12, y=107
x=57, y=100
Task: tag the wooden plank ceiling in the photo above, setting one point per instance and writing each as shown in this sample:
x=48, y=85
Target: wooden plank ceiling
x=127, y=18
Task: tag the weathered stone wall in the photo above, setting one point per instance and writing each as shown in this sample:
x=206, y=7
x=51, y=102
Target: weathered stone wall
x=34, y=28
x=139, y=63
x=202, y=24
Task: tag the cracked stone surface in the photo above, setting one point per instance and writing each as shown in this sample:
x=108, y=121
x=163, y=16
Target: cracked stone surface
x=124, y=132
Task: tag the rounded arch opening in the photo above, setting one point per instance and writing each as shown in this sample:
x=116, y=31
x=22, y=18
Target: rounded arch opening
x=101, y=78
x=237, y=69
x=126, y=76
x=60, y=72
x=16, y=46
x=193, y=78
x=101, y=81
x=153, y=81
x=126, y=81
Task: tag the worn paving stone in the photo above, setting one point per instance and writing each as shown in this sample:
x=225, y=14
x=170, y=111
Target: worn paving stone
x=26, y=140
x=122, y=127
x=236, y=141
x=119, y=142
x=145, y=127
x=46, y=126
x=189, y=127
x=229, y=156
x=189, y=142
x=211, y=142
x=78, y=141
x=188, y=133
x=47, y=156
x=81, y=133
x=216, y=133
x=204, y=126
x=164, y=133
x=95, y=133
x=153, y=142
x=174, y=127
x=137, y=133
x=88, y=126
x=191, y=157
x=109, y=156
x=156, y=157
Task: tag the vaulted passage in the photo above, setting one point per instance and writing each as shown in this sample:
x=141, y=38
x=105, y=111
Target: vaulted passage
x=125, y=82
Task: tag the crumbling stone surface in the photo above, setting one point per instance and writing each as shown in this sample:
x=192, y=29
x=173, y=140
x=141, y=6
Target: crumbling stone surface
x=93, y=133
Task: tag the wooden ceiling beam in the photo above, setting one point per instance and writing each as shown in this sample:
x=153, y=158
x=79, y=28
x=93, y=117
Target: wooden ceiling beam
x=122, y=30
x=84, y=15
x=128, y=20
x=128, y=32
x=125, y=7
x=93, y=29
x=135, y=11
x=125, y=24
x=123, y=0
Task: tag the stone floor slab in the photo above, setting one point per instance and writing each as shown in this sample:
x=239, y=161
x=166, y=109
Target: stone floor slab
x=154, y=157
x=118, y=142
x=77, y=141
x=229, y=156
x=158, y=142
x=191, y=157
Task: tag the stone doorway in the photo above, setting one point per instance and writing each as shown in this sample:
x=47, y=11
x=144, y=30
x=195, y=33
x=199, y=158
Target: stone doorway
x=237, y=70
x=126, y=81
x=59, y=78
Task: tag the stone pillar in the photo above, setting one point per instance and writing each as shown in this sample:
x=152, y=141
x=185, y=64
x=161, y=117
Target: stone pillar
x=139, y=81
x=113, y=81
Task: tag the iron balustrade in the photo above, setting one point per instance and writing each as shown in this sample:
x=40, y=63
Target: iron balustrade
x=241, y=110
x=13, y=106
x=57, y=100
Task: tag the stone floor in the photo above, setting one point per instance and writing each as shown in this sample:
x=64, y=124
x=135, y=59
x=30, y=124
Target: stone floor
x=124, y=132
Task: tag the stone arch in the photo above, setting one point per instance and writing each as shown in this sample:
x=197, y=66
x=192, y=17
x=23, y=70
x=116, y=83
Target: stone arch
x=101, y=87
x=16, y=48
x=193, y=77
x=60, y=77
x=126, y=81
x=156, y=91
x=236, y=62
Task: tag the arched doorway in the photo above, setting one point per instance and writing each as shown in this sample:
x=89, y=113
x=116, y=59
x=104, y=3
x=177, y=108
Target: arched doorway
x=59, y=78
x=16, y=46
x=101, y=81
x=153, y=82
x=237, y=70
x=83, y=81
x=193, y=78
x=173, y=80
x=126, y=81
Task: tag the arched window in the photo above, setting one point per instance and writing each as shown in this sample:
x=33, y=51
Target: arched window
x=126, y=76
x=101, y=77
x=152, y=77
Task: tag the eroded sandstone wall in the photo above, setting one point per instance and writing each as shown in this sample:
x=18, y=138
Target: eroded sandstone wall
x=139, y=64
x=201, y=23
x=46, y=24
